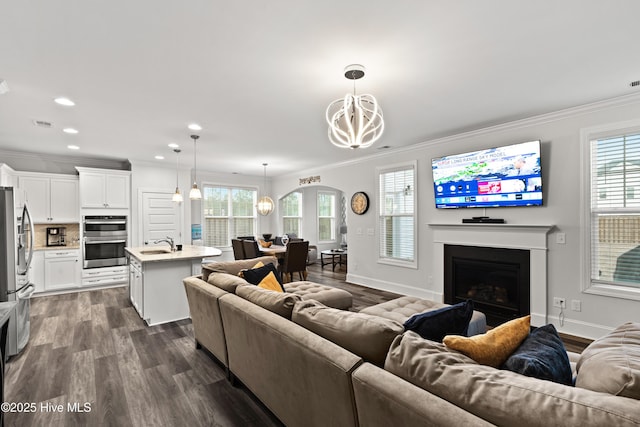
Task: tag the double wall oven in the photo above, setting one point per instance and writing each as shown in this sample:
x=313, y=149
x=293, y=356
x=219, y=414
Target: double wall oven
x=105, y=238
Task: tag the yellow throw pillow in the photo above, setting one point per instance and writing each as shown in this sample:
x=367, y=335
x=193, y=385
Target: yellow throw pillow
x=271, y=283
x=494, y=347
x=258, y=265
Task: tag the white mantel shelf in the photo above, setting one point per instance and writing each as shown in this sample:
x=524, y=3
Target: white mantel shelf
x=532, y=237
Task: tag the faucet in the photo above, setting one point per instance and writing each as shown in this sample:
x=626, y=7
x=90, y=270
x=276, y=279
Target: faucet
x=168, y=240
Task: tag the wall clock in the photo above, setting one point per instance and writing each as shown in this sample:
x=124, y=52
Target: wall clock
x=359, y=202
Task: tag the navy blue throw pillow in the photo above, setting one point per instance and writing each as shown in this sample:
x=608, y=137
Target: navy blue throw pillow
x=542, y=355
x=434, y=325
x=255, y=275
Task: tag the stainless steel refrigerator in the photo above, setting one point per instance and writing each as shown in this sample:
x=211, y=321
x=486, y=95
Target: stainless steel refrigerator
x=16, y=244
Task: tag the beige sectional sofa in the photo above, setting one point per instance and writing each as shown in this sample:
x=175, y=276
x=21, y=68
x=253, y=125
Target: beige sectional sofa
x=311, y=364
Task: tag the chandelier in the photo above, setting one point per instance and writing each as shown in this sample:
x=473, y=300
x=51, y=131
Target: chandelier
x=265, y=204
x=355, y=121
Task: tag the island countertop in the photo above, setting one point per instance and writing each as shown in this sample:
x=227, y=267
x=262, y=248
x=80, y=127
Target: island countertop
x=162, y=253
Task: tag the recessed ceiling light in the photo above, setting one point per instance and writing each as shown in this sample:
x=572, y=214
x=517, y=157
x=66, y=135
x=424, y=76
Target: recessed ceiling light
x=64, y=101
x=73, y=147
x=159, y=157
x=174, y=145
x=70, y=130
x=194, y=126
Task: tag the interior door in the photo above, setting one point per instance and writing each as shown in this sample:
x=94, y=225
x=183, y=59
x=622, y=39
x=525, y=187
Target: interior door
x=161, y=217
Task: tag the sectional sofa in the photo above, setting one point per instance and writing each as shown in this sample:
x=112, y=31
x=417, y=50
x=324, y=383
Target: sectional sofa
x=313, y=364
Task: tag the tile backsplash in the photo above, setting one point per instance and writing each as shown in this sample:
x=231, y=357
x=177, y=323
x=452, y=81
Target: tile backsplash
x=73, y=234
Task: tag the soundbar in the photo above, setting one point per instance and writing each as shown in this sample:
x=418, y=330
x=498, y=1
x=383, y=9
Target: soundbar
x=482, y=220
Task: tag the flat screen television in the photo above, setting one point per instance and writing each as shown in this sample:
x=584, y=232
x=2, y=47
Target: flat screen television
x=503, y=176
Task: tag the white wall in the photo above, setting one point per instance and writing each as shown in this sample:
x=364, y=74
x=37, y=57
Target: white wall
x=560, y=136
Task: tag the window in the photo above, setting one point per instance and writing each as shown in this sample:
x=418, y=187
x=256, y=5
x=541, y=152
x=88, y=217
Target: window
x=228, y=212
x=292, y=213
x=397, y=215
x=326, y=216
x=614, y=214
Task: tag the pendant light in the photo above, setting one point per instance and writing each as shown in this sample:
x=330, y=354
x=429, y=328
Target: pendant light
x=177, y=196
x=265, y=204
x=355, y=121
x=195, y=193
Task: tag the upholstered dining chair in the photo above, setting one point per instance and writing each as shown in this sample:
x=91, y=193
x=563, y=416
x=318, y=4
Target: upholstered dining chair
x=295, y=260
x=251, y=249
x=238, y=249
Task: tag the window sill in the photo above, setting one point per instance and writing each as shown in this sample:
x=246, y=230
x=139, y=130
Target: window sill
x=398, y=263
x=615, y=291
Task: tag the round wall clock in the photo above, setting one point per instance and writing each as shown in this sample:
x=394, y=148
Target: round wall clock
x=359, y=202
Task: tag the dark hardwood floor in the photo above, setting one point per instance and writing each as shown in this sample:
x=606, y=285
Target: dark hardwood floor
x=91, y=348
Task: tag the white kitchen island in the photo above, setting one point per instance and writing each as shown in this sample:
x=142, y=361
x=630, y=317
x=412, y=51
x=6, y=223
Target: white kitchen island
x=155, y=280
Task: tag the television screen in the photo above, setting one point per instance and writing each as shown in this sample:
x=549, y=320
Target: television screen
x=502, y=176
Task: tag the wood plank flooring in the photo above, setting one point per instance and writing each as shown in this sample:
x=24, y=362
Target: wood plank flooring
x=92, y=348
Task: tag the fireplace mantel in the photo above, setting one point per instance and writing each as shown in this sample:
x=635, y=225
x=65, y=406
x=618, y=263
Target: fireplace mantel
x=532, y=237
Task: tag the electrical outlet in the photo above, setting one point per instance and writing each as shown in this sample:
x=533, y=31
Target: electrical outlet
x=576, y=305
x=559, y=302
x=561, y=238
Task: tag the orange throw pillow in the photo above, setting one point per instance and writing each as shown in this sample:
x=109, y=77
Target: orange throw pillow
x=271, y=283
x=494, y=347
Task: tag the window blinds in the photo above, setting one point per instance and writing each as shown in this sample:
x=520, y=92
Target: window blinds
x=397, y=213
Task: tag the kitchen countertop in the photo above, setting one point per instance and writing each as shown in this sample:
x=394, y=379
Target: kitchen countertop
x=187, y=252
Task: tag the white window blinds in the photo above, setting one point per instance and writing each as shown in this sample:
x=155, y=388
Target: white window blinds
x=397, y=214
x=615, y=210
x=292, y=213
x=228, y=212
x=326, y=216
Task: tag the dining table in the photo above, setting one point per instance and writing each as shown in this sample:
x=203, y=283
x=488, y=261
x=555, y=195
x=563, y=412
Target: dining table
x=274, y=250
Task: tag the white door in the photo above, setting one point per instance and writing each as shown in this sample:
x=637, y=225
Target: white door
x=161, y=217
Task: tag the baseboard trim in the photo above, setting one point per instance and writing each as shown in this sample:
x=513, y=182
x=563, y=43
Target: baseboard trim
x=397, y=288
x=579, y=328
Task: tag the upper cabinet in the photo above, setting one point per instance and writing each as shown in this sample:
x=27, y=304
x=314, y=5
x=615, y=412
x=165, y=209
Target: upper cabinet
x=7, y=176
x=104, y=188
x=50, y=198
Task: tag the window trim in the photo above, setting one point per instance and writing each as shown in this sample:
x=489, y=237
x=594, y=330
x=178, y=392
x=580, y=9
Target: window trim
x=586, y=136
x=413, y=264
x=334, y=235
x=229, y=187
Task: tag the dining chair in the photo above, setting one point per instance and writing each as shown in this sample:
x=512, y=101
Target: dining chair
x=247, y=237
x=238, y=249
x=251, y=249
x=295, y=260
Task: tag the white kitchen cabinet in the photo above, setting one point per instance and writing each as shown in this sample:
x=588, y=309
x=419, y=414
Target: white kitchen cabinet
x=51, y=198
x=136, y=286
x=7, y=176
x=36, y=271
x=104, y=188
x=105, y=276
x=62, y=269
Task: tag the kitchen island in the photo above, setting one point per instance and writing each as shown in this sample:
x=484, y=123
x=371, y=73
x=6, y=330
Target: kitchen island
x=155, y=280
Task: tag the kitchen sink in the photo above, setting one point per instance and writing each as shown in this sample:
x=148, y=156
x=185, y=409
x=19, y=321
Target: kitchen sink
x=154, y=251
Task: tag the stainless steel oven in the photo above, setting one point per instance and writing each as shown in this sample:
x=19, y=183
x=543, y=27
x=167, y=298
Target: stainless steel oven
x=105, y=238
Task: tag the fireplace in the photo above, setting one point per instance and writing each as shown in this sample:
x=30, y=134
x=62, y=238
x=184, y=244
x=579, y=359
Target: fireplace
x=496, y=279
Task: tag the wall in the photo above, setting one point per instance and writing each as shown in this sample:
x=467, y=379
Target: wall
x=560, y=136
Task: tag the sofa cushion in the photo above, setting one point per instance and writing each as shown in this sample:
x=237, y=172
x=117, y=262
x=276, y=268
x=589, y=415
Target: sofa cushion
x=434, y=325
x=234, y=267
x=400, y=309
x=327, y=295
x=503, y=397
x=226, y=281
x=276, y=302
x=611, y=364
x=542, y=355
x=494, y=347
x=364, y=335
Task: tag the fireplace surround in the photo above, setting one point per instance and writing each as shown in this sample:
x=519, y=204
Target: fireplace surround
x=515, y=236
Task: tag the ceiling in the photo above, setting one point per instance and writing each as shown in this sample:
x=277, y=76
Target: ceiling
x=258, y=75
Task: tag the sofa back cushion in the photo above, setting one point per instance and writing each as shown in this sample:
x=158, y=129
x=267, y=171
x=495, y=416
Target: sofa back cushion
x=277, y=302
x=226, y=281
x=234, y=267
x=611, y=364
x=366, y=335
x=499, y=396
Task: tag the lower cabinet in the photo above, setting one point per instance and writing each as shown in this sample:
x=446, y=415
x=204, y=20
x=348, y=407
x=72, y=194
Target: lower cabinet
x=136, y=286
x=36, y=271
x=61, y=269
x=105, y=276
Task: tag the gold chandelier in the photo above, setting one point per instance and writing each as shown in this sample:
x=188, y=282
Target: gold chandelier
x=265, y=204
